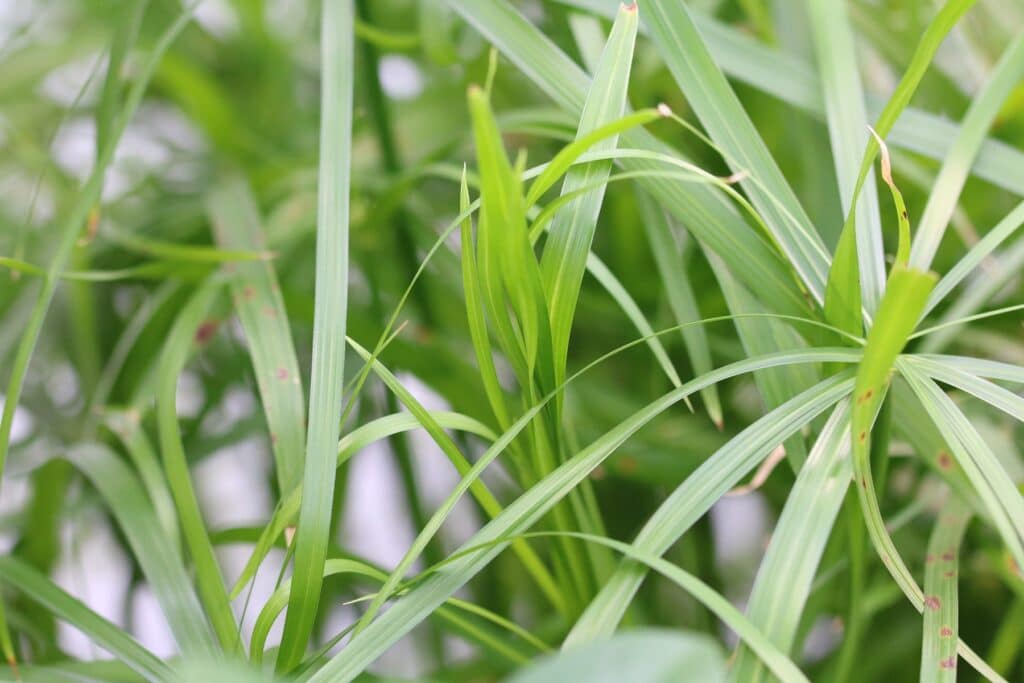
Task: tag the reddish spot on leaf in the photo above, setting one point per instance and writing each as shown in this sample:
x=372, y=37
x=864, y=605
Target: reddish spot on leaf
x=932, y=602
x=282, y=374
x=944, y=461
x=269, y=311
x=948, y=663
x=205, y=331
x=950, y=574
x=948, y=556
x=248, y=292
x=946, y=632
x=929, y=559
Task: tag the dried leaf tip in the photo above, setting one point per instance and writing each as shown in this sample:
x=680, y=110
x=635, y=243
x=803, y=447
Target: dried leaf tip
x=13, y=663
x=629, y=7
x=736, y=177
x=886, y=163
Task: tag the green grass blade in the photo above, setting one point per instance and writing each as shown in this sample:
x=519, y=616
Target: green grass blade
x=955, y=169
x=771, y=656
x=41, y=589
x=126, y=425
x=797, y=544
x=938, y=653
x=257, y=299
x=177, y=349
x=761, y=335
x=71, y=226
x=508, y=267
x=982, y=367
x=691, y=499
x=993, y=394
x=483, y=496
x=475, y=313
x=598, y=140
x=701, y=210
x=681, y=298
x=379, y=429
x=842, y=307
x=998, y=493
x=278, y=600
x=975, y=296
x=847, y=119
x=572, y=229
x=160, y=560
x=329, y=324
x=618, y=292
x=794, y=82
x=718, y=108
x=905, y=295
x=529, y=508
x=976, y=255
x=127, y=341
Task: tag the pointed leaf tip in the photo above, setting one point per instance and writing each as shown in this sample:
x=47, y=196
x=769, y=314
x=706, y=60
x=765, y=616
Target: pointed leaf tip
x=886, y=162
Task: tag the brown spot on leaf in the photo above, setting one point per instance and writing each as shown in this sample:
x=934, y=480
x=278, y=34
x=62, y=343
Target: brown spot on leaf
x=946, y=632
x=948, y=556
x=948, y=663
x=863, y=436
x=627, y=465
x=269, y=311
x=932, y=602
x=944, y=460
x=950, y=574
x=248, y=292
x=205, y=331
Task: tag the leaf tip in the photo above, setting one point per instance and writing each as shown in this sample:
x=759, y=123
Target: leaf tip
x=664, y=110
x=886, y=162
x=628, y=7
x=13, y=663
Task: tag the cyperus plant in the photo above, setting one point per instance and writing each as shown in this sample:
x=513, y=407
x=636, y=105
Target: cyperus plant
x=605, y=347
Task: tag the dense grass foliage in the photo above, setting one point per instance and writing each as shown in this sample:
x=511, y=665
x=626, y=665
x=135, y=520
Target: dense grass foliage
x=473, y=340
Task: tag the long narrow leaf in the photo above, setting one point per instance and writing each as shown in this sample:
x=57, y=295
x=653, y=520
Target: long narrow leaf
x=938, y=653
x=798, y=543
x=257, y=298
x=160, y=560
x=329, y=324
x=983, y=110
